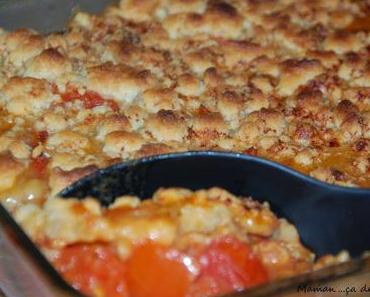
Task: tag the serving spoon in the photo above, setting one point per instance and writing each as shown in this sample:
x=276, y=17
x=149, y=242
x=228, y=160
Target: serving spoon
x=329, y=218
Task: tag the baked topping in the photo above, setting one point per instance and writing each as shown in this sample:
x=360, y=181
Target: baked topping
x=282, y=80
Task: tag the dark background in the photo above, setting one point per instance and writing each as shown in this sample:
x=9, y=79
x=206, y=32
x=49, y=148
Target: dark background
x=44, y=15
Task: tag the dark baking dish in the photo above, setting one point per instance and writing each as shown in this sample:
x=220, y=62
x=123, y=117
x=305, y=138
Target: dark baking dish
x=329, y=218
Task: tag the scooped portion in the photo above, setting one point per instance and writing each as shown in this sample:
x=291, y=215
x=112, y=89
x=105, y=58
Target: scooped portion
x=180, y=243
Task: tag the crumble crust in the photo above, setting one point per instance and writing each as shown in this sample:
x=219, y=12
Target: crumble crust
x=285, y=80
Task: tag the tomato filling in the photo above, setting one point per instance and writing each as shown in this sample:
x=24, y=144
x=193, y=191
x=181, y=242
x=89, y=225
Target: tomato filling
x=39, y=165
x=39, y=137
x=154, y=270
x=90, y=99
x=224, y=266
x=93, y=269
x=228, y=265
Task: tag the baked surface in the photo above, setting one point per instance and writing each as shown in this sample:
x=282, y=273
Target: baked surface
x=285, y=80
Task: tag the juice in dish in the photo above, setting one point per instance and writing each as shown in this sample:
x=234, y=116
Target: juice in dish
x=179, y=243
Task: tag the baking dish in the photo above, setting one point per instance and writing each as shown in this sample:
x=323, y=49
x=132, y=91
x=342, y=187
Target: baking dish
x=68, y=6
x=325, y=215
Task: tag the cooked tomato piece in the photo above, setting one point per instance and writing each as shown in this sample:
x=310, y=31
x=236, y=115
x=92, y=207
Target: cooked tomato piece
x=91, y=119
x=227, y=265
x=113, y=105
x=39, y=165
x=39, y=137
x=154, y=270
x=93, y=269
x=92, y=99
x=203, y=110
x=251, y=151
x=71, y=94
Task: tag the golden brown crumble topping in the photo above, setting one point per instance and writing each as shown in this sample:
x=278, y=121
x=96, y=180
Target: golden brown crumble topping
x=285, y=80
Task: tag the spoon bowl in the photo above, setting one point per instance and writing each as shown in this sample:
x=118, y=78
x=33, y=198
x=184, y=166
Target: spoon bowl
x=329, y=218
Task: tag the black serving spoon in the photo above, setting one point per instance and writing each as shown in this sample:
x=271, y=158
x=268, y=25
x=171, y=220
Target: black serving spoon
x=329, y=218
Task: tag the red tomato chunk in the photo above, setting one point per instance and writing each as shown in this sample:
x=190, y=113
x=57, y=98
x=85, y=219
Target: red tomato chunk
x=154, y=270
x=228, y=265
x=39, y=165
x=90, y=99
x=93, y=269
